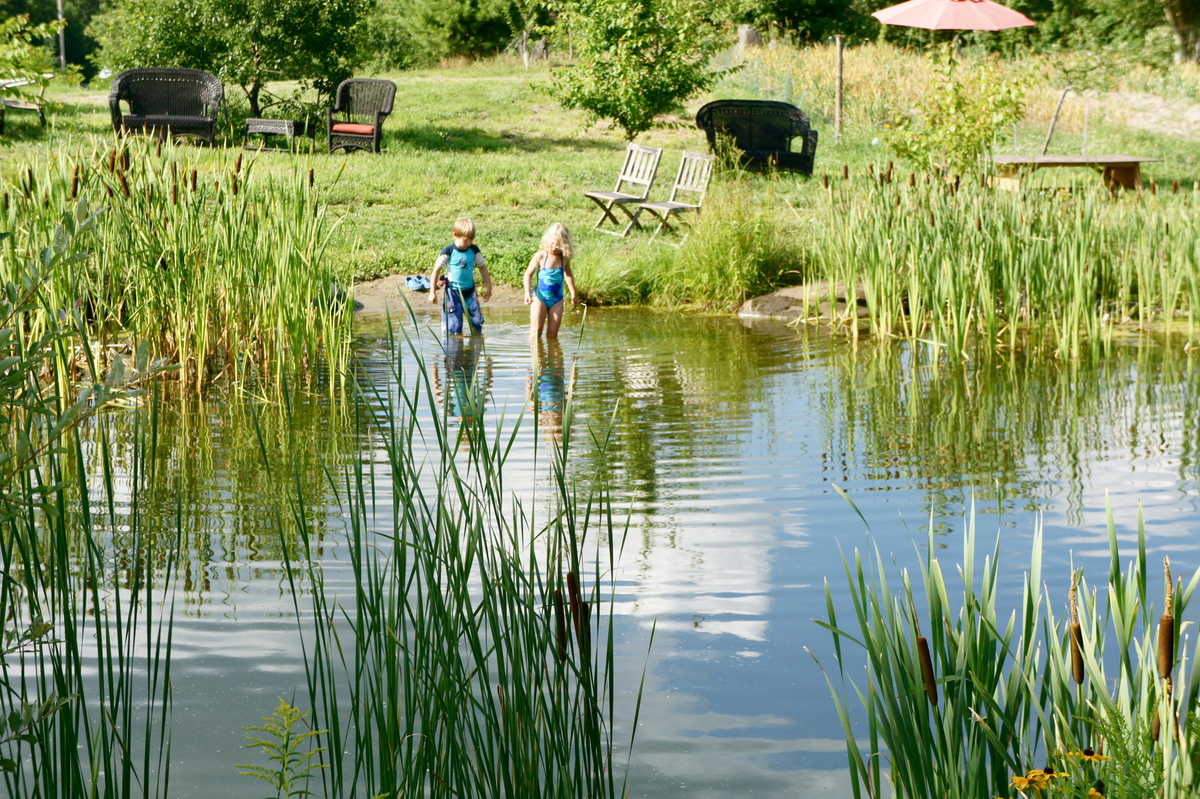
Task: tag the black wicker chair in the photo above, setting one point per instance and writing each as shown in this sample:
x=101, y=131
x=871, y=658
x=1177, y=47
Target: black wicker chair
x=763, y=130
x=167, y=101
x=356, y=120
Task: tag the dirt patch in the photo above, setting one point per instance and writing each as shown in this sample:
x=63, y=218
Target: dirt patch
x=388, y=295
x=1154, y=113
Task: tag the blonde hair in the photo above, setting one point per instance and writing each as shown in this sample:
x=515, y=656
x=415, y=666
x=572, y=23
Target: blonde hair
x=557, y=238
x=464, y=228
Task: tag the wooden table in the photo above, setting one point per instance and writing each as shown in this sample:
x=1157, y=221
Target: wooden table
x=1117, y=171
x=278, y=127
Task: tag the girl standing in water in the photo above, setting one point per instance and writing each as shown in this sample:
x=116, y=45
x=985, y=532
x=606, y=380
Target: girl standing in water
x=552, y=265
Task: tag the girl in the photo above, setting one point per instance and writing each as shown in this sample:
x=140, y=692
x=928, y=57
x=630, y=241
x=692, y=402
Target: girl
x=552, y=264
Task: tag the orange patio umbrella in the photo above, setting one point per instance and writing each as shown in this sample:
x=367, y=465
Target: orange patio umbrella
x=954, y=15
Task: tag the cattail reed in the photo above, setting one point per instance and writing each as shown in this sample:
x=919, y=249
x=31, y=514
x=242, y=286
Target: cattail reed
x=1174, y=186
x=112, y=160
x=825, y=181
x=124, y=182
x=871, y=170
x=237, y=164
x=1077, y=671
x=158, y=149
x=75, y=182
x=577, y=611
x=1166, y=630
x=174, y=192
x=310, y=178
x=912, y=180
x=845, y=171
x=560, y=624
x=924, y=657
x=233, y=183
x=193, y=180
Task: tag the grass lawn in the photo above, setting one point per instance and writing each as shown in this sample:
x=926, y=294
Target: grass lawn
x=489, y=141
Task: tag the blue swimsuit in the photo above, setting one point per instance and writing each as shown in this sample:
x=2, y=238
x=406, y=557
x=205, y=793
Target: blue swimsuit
x=550, y=285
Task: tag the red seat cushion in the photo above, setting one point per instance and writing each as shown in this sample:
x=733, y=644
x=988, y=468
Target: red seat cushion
x=357, y=130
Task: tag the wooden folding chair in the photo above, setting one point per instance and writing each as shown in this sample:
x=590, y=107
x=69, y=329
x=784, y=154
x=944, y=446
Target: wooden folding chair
x=641, y=166
x=695, y=170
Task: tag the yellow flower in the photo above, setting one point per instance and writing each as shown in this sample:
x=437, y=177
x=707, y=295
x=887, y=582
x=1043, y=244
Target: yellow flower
x=1020, y=783
x=1094, y=794
x=1090, y=756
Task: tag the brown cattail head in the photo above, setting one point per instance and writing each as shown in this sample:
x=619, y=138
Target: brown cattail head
x=912, y=179
x=560, y=624
x=124, y=182
x=75, y=182
x=125, y=160
x=1155, y=727
x=158, y=149
x=1153, y=187
x=310, y=178
x=237, y=165
x=1077, y=653
x=871, y=170
x=931, y=690
x=825, y=181
x=174, y=192
x=845, y=171
x=112, y=160
x=193, y=180
x=1166, y=628
x=233, y=183
x=1174, y=186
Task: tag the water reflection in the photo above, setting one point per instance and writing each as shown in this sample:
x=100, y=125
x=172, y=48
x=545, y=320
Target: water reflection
x=724, y=440
x=548, y=387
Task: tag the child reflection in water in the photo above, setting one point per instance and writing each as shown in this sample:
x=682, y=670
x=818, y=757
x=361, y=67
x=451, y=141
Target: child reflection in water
x=547, y=386
x=462, y=381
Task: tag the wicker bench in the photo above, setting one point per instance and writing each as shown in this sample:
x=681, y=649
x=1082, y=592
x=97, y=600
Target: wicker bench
x=763, y=130
x=166, y=101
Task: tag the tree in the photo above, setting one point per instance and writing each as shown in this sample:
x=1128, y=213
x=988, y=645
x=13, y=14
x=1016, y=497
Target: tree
x=244, y=42
x=636, y=58
x=1184, y=18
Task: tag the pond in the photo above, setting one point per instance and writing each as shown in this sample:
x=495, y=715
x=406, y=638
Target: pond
x=729, y=445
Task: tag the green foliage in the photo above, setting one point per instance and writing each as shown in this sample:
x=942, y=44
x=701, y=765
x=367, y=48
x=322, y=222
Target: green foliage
x=284, y=745
x=964, y=699
x=951, y=129
x=636, y=58
x=21, y=56
x=456, y=28
x=244, y=42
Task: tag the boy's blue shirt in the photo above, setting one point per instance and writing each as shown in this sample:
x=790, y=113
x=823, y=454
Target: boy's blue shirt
x=461, y=269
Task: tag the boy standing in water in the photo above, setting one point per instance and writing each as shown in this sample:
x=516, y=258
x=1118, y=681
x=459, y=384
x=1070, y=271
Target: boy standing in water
x=460, y=260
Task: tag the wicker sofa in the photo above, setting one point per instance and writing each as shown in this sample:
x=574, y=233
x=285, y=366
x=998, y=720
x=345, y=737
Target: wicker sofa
x=166, y=101
x=763, y=130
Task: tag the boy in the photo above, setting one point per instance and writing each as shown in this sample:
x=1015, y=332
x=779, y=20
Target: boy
x=460, y=260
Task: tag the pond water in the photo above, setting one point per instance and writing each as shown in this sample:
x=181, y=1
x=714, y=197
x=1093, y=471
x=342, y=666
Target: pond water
x=727, y=443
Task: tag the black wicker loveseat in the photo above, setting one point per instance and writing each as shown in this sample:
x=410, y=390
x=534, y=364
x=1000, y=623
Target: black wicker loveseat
x=763, y=130
x=166, y=101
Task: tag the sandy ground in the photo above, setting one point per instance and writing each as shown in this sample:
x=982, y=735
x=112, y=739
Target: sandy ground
x=388, y=294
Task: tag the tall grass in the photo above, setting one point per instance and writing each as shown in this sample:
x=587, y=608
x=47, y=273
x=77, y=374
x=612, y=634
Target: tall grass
x=84, y=673
x=965, y=699
x=951, y=260
x=468, y=661
x=213, y=268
